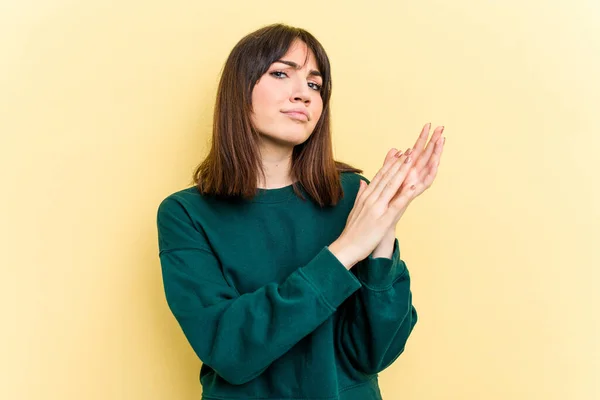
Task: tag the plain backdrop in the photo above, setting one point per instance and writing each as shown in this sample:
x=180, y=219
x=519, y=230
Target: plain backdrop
x=106, y=107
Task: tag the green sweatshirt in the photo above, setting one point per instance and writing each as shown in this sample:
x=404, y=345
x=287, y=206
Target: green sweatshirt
x=268, y=309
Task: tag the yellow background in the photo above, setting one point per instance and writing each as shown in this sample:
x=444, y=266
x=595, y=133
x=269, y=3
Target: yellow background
x=105, y=108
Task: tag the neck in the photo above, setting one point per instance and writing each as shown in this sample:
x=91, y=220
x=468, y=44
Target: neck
x=277, y=164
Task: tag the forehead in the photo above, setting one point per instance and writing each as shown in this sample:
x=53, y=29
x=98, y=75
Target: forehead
x=300, y=53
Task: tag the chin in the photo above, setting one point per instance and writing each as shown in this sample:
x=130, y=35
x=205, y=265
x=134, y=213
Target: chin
x=299, y=138
x=290, y=138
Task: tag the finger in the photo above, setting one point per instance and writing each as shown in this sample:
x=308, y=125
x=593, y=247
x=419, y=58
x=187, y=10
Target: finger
x=381, y=179
x=386, y=167
x=403, y=197
x=429, y=172
x=390, y=156
x=361, y=188
x=410, y=190
x=426, y=155
x=385, y=176
x=421, y=140
x=434, y=163
x=397, y=175
x=357, y=200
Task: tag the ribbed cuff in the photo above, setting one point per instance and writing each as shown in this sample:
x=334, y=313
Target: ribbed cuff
x=330, y=278
x=381, y=273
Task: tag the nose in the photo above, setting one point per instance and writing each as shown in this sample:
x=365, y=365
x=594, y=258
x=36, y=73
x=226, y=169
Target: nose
x=300, y=91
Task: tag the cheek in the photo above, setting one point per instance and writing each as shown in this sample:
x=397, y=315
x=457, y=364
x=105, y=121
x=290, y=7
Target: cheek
x=259, y=97
x=265, y=100
x=317, y=107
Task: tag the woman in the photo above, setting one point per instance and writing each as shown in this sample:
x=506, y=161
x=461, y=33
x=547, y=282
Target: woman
x=280, y=264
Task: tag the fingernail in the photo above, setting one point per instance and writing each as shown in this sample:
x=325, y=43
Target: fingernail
x=398, y=154
x=408, y=152
x=407, y=160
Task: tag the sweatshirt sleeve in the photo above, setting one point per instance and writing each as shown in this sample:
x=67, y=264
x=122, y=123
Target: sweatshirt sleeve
x=239, y=336
x=375, y=323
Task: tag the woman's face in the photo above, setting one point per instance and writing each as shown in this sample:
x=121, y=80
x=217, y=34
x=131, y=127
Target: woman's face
x=286, y=100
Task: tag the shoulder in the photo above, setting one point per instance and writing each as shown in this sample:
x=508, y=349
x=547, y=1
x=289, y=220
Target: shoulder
x=178, y=221
x=179, y=201
x=352, y=178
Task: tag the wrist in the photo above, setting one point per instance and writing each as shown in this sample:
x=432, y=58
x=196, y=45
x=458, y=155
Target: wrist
x=343, y=253
x=385, y=248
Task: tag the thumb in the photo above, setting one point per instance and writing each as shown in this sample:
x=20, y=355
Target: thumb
x=362, y=187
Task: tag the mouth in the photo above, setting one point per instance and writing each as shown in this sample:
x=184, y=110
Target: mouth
x=296, y=115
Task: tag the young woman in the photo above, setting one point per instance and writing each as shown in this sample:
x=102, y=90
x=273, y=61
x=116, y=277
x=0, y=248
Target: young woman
x=281, y=264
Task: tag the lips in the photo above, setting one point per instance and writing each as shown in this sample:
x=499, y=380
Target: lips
x=300, y=115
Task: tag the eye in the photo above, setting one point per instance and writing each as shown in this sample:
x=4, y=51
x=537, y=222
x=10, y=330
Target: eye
x=314, y=86
x=281, y=75
x=277, y=74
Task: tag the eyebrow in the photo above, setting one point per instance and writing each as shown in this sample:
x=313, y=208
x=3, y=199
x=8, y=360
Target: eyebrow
x=296, y=66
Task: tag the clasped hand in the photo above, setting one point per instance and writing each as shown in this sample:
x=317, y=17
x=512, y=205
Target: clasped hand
x=425, y=160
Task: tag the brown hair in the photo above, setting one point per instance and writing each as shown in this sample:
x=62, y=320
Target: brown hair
x=232, y=166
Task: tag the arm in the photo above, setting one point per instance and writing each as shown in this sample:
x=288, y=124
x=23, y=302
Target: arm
x=374, y=325
x=239, y=336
